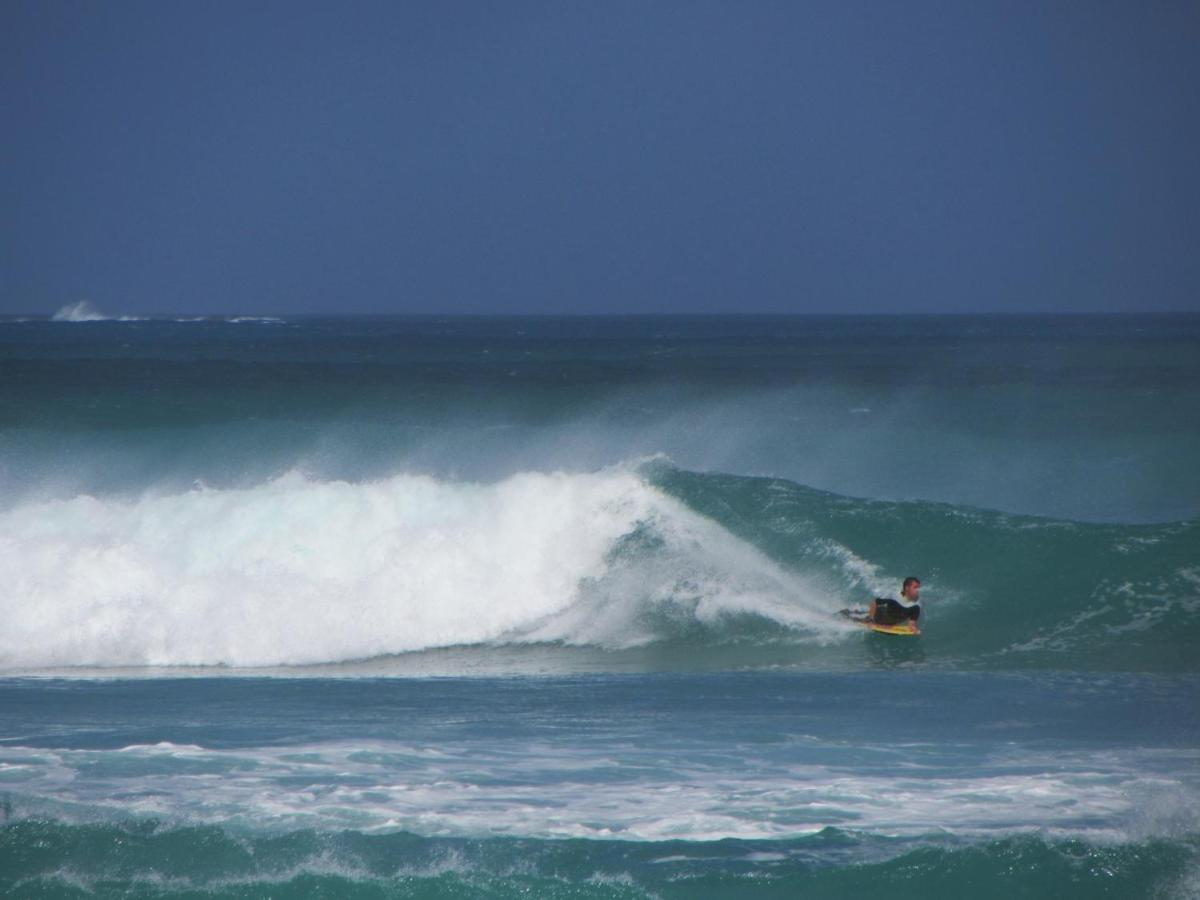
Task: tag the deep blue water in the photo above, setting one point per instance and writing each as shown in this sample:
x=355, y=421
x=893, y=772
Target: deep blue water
x=547, y=607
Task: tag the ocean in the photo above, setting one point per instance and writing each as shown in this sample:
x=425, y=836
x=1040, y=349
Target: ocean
x=474, y=607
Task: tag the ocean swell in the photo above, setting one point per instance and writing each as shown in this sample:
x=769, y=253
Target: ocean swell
x=299, y=571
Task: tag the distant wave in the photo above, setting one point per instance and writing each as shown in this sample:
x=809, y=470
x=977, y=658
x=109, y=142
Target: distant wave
x=84, y=311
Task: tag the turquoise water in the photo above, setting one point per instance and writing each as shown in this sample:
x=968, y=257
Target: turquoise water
x=547, y=607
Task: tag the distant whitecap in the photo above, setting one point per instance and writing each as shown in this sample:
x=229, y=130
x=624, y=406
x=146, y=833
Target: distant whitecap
x=83, y=311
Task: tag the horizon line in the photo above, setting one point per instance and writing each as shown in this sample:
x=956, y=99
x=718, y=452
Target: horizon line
x=741, y=314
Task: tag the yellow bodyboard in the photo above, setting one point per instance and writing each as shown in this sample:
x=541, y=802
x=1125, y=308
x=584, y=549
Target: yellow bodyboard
x=907, y=628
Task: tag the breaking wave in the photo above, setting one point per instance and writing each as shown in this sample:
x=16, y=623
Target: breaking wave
x=85, y=311
x=298, y=571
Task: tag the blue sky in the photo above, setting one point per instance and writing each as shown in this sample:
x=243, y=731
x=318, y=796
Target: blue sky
x=600, y=157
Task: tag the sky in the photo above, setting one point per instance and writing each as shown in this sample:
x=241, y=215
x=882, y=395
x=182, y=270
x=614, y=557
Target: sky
x=602, y=157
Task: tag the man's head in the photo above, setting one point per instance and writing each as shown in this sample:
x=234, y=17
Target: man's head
x=911, y=589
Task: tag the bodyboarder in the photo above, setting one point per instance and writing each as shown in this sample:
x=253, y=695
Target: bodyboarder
x=886, y=611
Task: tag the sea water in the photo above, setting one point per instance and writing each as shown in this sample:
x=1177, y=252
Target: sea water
x=547, y=607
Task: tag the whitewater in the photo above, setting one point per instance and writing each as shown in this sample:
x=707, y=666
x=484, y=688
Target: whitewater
x=295, y=571
x=461, y=607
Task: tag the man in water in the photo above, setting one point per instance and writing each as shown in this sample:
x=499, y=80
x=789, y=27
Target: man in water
x=885, y=611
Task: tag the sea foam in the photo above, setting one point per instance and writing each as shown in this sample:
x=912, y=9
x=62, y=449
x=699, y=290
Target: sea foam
x=85, y=311
x=297, y=571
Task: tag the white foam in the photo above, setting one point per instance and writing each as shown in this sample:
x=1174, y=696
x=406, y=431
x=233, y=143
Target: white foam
x=85, y=311
x=298, y=571
x=600, y=792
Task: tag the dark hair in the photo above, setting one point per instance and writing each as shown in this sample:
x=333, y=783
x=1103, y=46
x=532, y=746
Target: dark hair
x=911, y=579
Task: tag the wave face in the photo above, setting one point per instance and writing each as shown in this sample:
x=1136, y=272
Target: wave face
x=298, y=571
x=999, y=590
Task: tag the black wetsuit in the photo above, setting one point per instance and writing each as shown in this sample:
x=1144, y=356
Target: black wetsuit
x=893, y=612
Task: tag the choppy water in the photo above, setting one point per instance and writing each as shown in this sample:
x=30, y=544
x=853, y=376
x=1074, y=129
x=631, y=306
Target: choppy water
x=546, y=607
